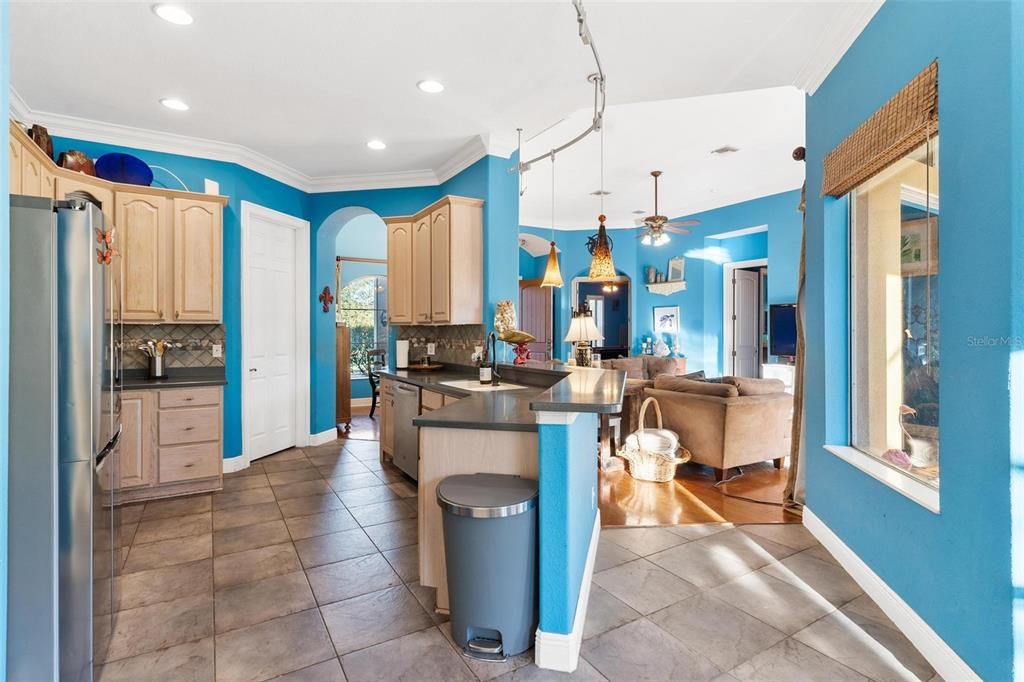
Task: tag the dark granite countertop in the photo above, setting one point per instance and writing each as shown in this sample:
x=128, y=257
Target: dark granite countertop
x=547, y=387
x=183, y=377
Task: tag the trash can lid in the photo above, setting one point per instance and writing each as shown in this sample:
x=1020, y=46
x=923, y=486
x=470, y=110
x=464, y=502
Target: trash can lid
x=486, y=496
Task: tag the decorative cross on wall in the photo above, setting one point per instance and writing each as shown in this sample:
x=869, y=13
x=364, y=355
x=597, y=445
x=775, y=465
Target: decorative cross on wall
x=326, y=298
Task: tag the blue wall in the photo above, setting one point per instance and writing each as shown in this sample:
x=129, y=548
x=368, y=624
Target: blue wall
x=5, y=331
x=952, y=568
x=700, y=305
x=239, y=184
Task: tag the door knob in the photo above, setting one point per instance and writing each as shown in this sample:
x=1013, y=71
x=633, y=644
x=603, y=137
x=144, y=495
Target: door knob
x=252, y=369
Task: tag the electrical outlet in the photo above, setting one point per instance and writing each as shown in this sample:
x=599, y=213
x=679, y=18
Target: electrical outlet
x=431, y=348
x=217, y=350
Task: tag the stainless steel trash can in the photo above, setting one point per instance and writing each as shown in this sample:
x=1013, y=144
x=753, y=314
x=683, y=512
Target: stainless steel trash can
x=490, y=545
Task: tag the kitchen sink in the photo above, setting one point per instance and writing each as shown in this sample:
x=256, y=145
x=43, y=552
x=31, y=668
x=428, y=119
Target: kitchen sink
x=475, y=385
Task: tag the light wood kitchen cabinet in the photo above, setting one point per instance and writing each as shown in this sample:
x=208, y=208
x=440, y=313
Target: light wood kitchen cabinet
x=387, y=417
x=400, y=272
x=31, y=174
x=198, y=268
x=76, y=183
x=171, y=443
x=15, y=153
x=421, y=245
x=442, y=269
x=145, y=248
x=48, y=182
x=138, y=439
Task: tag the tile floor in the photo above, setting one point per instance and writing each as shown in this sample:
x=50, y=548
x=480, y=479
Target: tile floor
x=305, y=568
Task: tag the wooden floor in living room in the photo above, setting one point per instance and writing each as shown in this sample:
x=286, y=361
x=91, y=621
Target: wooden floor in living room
x=753, y=496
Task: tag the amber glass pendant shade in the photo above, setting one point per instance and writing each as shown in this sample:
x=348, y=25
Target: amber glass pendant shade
x=552, y=273
x=601, y=265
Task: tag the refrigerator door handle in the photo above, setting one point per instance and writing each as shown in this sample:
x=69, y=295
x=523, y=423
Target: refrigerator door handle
x=108, y=448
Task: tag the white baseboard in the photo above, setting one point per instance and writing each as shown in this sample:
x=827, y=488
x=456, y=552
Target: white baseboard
x=361, y=402
x=556, y=651
x=233, y=464
x=939, y=654
x=323, y=437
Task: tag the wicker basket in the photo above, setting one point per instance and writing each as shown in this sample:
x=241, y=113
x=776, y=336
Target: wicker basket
x=652, y=453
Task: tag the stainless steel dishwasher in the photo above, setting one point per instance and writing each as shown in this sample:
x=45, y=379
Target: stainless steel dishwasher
x=407, y=437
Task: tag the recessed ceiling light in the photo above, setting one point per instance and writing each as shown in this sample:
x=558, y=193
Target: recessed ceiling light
x=727, y=149
x=174, y=103
x=173, y=13
x=431, y=87
x=376, y=145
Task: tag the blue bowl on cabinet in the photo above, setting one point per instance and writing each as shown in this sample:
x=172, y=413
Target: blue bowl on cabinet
x=124, y=168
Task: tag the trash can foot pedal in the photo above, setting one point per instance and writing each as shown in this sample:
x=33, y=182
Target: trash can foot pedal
x=484, y=649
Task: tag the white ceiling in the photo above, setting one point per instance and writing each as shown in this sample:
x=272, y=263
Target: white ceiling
x=296, y=89
x=675, y=137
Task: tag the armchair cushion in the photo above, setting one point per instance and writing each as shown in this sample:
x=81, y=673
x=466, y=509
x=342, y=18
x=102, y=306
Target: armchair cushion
x=751, y=386
x=655, y=367
x=633, y=367
x=683, y=385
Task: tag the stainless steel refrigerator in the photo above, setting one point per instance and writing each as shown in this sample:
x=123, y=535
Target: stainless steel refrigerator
x=63, y=542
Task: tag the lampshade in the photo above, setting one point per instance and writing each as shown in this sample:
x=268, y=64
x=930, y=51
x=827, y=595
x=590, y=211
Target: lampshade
x=552, y=274
x=583, y=328
x=601, y=265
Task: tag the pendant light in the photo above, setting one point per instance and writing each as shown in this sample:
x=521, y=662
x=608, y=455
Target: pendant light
x=552, y=273
x=601, y=265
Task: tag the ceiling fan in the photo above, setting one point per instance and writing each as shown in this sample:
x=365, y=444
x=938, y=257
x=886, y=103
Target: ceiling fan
x=656, y=227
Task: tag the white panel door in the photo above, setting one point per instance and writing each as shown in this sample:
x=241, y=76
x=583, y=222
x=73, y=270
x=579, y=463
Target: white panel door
x=746, y=324
x=270, y=349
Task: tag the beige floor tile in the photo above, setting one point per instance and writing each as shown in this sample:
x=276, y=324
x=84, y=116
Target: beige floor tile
x=242, y=498
x=696, y=531
x=488, y=670
x=792, y=535
x=236, y=483
x=331, y=467
x=721, y=633
x=403, y=488
x=382, y=512
x=327, y=549
x=241, y=538
x=610, y=555
x=794, y=662
x=642, y=541
x=531, y=673
x=373, y=618
x=874, y=624
x=245, y=516
x=307, y=506
x=287, y=465
x=606, y=612
x=783, y=606
x=707, y=567
x=390, y=474
x=642, y=651
x=301, y=489
x=643, y=586
x=362, y=449
x=394, y=534
x=351, y=578
x=823, y=577
x=424, y=655
x=169, y=552
x=328, y=671
x=353, y=481
x=151, y=628
x=255, y=602
x=363, y=496
x=170, y=528
x=178, y=506
x=302, y=527
x=405, y=561
x=156, y=585
x=273, y=648
x=284, y=456
x=253, y=469
x=427, y=597
x=819, y=552
x=293, y=476
x=254, y=564
x=189, y=661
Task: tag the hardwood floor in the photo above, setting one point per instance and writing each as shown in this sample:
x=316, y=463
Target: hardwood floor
x=693, y=498
x=362, y=427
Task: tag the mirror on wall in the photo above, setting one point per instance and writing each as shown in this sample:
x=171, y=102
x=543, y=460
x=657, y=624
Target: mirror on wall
x=609, y=303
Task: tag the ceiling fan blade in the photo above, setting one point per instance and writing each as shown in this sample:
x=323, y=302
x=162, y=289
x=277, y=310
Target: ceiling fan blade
x=683, y=223
x=676, y=230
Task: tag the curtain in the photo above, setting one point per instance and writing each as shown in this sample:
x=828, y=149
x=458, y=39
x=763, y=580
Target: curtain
x=793, y=496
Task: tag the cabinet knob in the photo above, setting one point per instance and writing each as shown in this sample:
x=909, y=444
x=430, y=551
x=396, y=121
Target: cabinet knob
x=160, y=313
x=189, y=428
x=175, y=314
x=189, y=399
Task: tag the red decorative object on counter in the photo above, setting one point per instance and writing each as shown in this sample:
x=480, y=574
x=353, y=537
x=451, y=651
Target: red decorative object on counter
x=522, y=354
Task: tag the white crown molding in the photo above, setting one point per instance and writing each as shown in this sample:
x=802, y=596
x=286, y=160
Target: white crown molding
x=828, y=52
x=171, y=143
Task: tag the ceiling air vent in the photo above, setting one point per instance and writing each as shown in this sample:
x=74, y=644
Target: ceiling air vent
x=726, y=149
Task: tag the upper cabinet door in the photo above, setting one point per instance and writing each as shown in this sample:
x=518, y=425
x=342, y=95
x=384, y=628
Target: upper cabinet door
x=440, y=265
x=48, y=183
x=198, y=268
x=400, y=273
x=421, y=304
x=31, y=174
x=15, y=151
x=144, y=242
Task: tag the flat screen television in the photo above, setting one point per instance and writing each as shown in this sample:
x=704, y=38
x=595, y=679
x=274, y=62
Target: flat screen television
x=782, y=329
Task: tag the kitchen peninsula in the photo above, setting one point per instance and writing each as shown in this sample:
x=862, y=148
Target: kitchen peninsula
x=540, y=423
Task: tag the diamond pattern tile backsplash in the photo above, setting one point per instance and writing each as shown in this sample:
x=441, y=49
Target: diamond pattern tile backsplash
x=196, y=341
x=455, y=342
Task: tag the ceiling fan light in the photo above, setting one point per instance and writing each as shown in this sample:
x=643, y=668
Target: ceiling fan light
x=601, y=265
x=646, y=240
x=552, y=273
x=662, y=239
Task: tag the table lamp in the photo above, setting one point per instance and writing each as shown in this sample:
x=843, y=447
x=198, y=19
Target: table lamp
x=583, y=330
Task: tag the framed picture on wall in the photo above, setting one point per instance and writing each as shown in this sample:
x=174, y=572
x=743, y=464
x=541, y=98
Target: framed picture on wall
x=666, y=319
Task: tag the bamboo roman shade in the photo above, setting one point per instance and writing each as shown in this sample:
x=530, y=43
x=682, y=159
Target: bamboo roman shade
x=900, y=125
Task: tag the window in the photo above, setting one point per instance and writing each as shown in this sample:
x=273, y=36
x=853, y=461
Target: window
x=894, y=314
x=362, y=306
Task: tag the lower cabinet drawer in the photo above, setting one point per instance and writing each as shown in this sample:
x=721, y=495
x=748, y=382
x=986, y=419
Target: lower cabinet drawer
x=189, y=426
x=189, y=397
x=186, y=462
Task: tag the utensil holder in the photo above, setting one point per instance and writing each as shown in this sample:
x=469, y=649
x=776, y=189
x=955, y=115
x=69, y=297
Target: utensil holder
x=156, y=367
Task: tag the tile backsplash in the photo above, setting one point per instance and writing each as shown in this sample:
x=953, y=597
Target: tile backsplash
x=455, y=342
x=196, y=340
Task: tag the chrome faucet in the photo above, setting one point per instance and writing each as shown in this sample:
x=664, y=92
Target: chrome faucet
x=492, y=341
